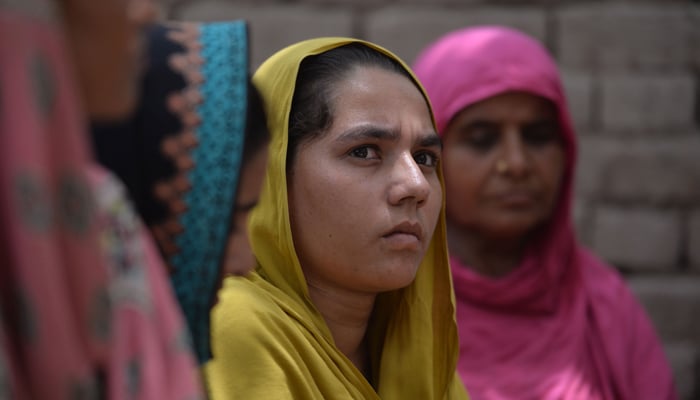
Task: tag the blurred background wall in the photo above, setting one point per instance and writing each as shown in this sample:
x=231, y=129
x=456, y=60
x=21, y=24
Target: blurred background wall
x=632, y=75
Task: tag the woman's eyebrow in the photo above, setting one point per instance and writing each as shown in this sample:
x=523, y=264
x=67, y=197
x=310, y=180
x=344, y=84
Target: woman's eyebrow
x=467, y=127
x=431, y=140
x=365, y=132
x=374, y=132
x=543, y=121
x=480, y=123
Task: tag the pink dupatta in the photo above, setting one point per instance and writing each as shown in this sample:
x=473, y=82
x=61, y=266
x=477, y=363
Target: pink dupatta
x=563, y=325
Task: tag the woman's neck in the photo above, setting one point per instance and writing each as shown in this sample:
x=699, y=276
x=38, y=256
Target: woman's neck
x=347, y=315
x=489, y=256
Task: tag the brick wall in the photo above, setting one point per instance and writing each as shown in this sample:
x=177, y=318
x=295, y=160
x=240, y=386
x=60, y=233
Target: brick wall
x=632, y=73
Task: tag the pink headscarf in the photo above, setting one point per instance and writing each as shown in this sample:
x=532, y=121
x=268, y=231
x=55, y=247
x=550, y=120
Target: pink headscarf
x=563, y=325
x=86, y=310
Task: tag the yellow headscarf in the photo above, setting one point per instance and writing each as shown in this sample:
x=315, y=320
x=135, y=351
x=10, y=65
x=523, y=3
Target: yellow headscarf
x=269, y=340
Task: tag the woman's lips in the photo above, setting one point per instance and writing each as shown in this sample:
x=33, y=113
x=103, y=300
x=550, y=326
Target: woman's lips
x=405, y=236
x=516, y=199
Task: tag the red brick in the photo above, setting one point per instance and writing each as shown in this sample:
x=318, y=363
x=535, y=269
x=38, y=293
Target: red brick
x=647, y=103
x=273, y=27
x=407, y=30
x=643, y=239
x=626, y=37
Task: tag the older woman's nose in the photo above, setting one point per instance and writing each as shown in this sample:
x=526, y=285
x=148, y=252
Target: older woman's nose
x=514, y=158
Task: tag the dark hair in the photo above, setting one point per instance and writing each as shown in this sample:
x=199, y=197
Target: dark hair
x=312, y=110
x=257, y=134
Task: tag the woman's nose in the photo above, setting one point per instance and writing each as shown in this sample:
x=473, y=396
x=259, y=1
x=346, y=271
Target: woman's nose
x=514, y=158
x=409, y=182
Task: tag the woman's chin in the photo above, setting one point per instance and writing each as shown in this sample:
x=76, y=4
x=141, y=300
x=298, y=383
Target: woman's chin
x=512, y=231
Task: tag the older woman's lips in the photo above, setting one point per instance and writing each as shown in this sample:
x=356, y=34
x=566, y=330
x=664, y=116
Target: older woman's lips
x=517, y=199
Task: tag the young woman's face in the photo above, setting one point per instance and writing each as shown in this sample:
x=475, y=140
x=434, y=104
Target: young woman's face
x=364, y=197
x=106, y=38
x=503, y=165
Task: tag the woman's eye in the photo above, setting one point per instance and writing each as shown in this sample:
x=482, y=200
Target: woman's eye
x=482, y=137
x=482, y=140
x=366, y=152
x=427, y=158
x=541, y=134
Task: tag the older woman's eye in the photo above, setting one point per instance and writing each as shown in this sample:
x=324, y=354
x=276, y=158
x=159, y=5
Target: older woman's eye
x=427, y=158
x=541, y=133
x=481, y=136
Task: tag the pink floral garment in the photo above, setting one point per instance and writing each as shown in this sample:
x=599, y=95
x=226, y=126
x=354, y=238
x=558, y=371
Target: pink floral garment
x=69, y=329
x=151, y=355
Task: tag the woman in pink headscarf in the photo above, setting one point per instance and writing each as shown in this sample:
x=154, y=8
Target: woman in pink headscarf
x=539, y=316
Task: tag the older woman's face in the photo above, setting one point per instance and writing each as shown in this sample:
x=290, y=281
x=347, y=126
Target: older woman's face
x=503, y=165
x=364, y=197
x=106, y=38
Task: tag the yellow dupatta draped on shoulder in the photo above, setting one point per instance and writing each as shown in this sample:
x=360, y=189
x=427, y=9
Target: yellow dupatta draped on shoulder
x=268, y=339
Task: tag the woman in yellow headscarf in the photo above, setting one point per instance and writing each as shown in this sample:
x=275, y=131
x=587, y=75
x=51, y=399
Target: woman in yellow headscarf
x=352, y=297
